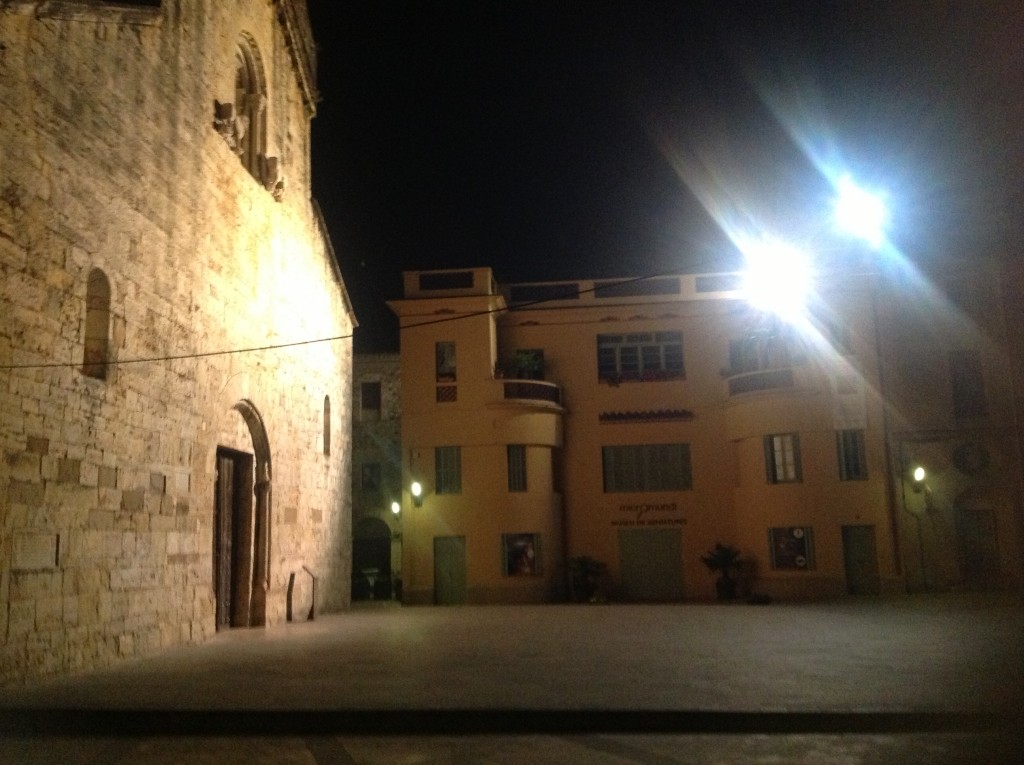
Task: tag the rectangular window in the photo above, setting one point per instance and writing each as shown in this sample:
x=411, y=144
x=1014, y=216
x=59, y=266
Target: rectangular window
x=520, y=554
x=446, y=280
x=791, y=548
x=646, y=467
x=444, y=372
x=968, y=380
x=853, y=465
x=369, y=477
x=782, y=458
x=640, y=356
x=516, y=467
x=447, y=470
x=444, y=361
x=369, y=401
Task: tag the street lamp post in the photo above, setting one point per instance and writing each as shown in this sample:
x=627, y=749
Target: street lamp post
x=918, y=475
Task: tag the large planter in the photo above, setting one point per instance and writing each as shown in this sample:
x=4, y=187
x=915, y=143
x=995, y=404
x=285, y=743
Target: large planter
x=726, y=589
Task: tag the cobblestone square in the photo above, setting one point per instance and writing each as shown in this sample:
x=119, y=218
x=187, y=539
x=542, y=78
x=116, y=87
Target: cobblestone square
x=917, y=679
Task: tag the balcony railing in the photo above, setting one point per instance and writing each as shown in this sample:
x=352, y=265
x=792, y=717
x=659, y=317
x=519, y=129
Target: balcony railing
x=763, y=379
x=532, y=390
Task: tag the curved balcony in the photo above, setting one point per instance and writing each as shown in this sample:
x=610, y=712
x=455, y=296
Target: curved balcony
x=760, y=380
x=780, y=399
x=538, y=394
x=531, y=390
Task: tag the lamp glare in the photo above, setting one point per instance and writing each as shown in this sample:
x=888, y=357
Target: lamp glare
x=777, y=278
x=859, y=212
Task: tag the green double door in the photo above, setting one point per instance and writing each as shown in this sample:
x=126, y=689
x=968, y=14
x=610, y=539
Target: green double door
x=651, y=564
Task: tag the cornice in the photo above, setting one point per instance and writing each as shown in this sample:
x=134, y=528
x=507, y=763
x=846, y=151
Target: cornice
x=298, y=34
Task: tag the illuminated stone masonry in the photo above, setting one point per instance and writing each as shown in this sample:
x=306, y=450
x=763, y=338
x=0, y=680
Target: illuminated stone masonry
x=152, y=493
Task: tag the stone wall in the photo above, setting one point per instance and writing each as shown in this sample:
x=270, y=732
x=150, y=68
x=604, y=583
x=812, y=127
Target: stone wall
x=376, y=438
x=110, y=160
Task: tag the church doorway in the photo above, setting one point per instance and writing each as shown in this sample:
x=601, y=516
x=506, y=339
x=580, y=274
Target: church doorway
x=233, y=524
x=241, y=538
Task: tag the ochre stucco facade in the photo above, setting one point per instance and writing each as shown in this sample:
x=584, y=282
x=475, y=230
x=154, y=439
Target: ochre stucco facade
x=663, y=416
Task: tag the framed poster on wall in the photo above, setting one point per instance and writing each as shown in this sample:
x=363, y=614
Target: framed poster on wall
x=792, y=548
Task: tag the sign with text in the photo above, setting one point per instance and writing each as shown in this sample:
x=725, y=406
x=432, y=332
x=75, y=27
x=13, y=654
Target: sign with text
x=649, y=514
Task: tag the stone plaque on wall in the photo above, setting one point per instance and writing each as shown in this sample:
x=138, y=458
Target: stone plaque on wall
x=35, y=550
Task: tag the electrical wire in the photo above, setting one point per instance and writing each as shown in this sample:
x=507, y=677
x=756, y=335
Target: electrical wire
x=276, y=346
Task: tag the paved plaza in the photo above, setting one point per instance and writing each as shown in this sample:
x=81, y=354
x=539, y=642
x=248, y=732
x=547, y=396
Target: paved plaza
x=917, y=679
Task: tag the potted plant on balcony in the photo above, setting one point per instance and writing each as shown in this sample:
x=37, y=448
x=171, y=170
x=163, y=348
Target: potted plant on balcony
x=723, y=559
x=528, y=364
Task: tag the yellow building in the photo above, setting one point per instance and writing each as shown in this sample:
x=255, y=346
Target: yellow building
x=639, y=423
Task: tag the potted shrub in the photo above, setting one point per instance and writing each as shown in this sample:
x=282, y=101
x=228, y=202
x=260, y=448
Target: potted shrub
x=724, y=560
x=528, y=364
x=584, y=573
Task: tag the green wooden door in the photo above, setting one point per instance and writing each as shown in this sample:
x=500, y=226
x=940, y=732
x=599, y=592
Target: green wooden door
x=650, y=562
x=861, y=560
x=449, y=570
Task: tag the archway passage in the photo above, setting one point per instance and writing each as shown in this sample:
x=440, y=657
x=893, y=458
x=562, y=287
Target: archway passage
x=371, y=560
x=241, y=540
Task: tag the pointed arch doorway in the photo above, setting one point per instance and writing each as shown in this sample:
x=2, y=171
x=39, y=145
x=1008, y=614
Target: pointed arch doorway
x=241, y=538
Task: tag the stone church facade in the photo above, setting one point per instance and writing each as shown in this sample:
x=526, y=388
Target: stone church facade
x=175, y=452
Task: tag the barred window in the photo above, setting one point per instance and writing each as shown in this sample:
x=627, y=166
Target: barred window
x=853, y=465
x=516, y=467
x=646, y=467
x=640, y=356
x=782, y=458
x=447, y=470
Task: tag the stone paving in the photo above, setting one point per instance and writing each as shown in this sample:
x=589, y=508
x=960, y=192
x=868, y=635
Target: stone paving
x=922, y=679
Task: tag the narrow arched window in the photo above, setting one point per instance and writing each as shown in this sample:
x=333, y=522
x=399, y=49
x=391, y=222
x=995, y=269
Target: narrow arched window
x=250, y=103
x=327, y=424
x=97, y=325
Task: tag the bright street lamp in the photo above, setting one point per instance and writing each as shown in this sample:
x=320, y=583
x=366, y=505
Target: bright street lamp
x=416, y=489
x=396, y=508
x=859, y=212
x=777, y=278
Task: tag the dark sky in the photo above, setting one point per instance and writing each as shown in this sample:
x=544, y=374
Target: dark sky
x=555, y=140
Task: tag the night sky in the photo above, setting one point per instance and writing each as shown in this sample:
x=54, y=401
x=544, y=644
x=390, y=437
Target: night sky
x=557, y=140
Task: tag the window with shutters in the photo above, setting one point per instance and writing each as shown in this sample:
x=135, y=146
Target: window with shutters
x=782, y=458
x=646, y=467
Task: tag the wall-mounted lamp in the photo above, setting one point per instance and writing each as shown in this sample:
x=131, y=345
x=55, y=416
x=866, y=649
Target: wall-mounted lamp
x=416, y=489
x=396, y=508
x=918, y=475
